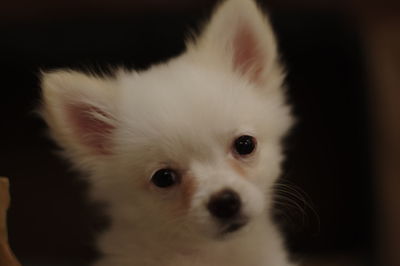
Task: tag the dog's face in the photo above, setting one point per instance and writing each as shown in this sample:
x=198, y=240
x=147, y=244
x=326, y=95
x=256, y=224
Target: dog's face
x=190, y=147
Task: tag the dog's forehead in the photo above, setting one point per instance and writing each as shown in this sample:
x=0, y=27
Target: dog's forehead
x=193, y=110
x=187, y=95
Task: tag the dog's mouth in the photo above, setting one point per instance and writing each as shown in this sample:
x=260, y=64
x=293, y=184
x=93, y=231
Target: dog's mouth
x=232, y=226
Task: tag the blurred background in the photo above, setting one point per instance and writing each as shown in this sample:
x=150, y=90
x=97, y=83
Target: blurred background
x=343, y=156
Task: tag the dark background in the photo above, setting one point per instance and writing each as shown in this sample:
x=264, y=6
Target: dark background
x=328, y=151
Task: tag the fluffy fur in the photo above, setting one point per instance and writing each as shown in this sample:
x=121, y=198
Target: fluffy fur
x=184, y=115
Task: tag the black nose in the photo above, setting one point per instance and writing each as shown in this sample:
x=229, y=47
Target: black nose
x=225, y=204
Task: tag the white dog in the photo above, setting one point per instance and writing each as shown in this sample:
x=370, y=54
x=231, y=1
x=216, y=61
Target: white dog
x=185, y=154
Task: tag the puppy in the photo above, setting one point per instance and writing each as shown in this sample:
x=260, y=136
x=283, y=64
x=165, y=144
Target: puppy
x=185, y=154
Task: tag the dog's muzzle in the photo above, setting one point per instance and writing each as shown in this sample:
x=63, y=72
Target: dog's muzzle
x=225, y=206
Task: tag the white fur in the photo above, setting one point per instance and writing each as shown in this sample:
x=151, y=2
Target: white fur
x=183, y=114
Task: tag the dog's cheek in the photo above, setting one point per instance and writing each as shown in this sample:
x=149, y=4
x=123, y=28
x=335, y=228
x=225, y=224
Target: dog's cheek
x=238, y=168
x=187, y=188
x=255, y=199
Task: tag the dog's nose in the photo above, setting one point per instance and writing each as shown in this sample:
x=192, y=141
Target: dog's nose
x=225, y=204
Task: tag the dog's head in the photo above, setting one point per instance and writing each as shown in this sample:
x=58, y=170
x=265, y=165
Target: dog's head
x=189, y=146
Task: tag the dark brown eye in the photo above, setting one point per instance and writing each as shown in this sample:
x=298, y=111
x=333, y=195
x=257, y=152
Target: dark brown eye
x=245, y=145
x=164, y=178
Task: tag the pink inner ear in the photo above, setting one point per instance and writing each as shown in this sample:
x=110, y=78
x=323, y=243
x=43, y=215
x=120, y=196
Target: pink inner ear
x=88, y=129
x=248, y=58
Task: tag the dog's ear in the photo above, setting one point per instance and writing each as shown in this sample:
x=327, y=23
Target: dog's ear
x=80, y=111
x=240, y=37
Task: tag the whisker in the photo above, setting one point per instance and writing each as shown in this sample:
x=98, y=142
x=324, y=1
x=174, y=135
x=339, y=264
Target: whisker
x=288, y=195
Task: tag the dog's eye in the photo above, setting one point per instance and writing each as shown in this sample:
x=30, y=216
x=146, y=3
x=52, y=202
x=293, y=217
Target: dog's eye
x=245, y=145
x=164, y=178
